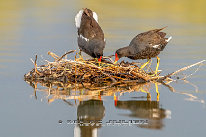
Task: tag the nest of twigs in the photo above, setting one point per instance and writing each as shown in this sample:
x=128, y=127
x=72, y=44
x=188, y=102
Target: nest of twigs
x=80, y=70
x=91, y=71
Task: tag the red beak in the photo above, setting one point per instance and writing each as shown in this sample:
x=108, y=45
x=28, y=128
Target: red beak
x=100, y=59
x=116, y=57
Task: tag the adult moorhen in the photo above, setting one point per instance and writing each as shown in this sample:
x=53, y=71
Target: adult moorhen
x=90, y=35
x=145, y=45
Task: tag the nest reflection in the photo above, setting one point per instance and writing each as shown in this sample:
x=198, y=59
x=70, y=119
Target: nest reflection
x=91, y=107
x=85, y=91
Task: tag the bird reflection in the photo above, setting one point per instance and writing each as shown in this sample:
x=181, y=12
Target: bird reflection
x=88, y=99
x=145, y=109
x=92, y=112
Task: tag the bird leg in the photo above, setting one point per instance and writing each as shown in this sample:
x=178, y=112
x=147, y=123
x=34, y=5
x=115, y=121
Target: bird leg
x=148, y=67
x=148, y=94
x=158, y=62
x=97, y=60
x=158, y=94
x=145, y=64
x=80, y=54
x=148, y=97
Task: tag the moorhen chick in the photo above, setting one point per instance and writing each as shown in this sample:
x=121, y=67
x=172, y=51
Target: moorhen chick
x=90, y=35
x=145, y=45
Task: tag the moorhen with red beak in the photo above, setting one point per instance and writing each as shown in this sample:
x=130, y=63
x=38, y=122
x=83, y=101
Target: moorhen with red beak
x=145, y=45
x=90, y=35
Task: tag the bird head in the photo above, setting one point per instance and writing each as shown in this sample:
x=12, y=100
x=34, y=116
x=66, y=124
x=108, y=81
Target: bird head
x=99, y=56
x=122, y=52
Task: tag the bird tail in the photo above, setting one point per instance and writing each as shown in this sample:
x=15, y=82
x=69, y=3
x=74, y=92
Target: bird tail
x=86, y=11
x=157, y=30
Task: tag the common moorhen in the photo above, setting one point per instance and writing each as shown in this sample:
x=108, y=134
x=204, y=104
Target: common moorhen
x=145, y=45
x=90, y=35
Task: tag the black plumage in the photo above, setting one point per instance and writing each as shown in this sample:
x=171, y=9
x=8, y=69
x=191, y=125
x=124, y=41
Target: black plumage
x=90, y=35
x=145, y=45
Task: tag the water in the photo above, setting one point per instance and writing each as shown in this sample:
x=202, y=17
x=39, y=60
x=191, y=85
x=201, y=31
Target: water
x=36, y=27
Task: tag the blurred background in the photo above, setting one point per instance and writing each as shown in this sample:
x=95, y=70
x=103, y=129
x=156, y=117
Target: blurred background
x=30, y=27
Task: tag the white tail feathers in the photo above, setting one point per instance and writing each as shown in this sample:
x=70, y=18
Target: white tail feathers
x=78, y=18
x=95, y=16
x=156, y=46
x=168, y=39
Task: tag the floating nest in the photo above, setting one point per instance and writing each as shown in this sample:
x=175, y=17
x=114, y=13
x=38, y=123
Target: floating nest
x=80, y=70
x=91, y=71
x=63, y=77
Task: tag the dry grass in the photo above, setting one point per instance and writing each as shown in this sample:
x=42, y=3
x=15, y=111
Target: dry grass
x=91, y=71
x=80, y=70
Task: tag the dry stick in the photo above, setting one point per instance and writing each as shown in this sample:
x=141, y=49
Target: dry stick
x=106, y=74
x=192, y=73
x=53, y=55
x=71, y=51
x=109, y=57
x=180, y=70
x=35, y=65
x=146, y=78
